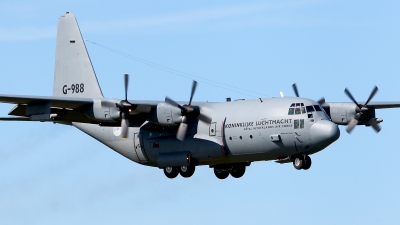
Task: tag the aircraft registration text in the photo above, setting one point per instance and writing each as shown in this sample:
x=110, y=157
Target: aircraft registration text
x=75, y=88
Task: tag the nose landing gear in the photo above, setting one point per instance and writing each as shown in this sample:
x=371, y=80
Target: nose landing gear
x=302, y=162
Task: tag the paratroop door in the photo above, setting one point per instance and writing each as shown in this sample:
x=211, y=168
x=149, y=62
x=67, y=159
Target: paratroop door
x=138, y=148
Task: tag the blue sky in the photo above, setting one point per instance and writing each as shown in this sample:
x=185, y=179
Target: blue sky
x=56, y=174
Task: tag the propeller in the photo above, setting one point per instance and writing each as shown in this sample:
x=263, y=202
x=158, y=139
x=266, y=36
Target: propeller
x=360, y=109
x=124, y=107
x=296, y=91
x=187, y=111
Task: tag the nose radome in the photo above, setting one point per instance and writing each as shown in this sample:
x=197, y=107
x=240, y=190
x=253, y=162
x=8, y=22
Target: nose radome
x=324, y=133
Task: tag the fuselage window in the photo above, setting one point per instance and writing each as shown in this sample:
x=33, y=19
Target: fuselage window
x=296, y=124
x=299, y=124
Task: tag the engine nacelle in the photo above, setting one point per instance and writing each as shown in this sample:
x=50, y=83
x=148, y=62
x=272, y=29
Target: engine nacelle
x=342, y=113
x=167, y=115
x=102, y=113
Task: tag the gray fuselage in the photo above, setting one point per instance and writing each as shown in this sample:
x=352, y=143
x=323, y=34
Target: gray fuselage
x=240, y=131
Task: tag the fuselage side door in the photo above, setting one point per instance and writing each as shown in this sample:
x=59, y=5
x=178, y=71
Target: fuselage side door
x=138, y=148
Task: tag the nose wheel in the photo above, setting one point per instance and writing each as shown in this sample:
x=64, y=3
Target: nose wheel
x=302, y=162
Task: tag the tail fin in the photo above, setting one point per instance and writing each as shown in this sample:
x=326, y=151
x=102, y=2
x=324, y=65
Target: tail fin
x=73, y=74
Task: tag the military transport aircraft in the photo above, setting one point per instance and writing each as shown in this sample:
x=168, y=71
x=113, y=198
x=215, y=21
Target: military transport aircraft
x=178, y=136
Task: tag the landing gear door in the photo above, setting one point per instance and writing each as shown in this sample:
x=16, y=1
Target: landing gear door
x=138, y=148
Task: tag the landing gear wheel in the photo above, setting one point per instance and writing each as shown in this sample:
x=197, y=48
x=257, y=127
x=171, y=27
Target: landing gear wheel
x=307, y=163
x=187, y=171
x=171, y=172
x=298, y=163
x=221, y=174
x=238, y=171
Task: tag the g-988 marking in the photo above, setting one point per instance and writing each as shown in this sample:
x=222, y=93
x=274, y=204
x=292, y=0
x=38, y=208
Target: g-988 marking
x=75, y=88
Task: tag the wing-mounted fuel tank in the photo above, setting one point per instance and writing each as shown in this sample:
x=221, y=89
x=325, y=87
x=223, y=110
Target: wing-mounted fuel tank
x=163, y=149
x=343, y=113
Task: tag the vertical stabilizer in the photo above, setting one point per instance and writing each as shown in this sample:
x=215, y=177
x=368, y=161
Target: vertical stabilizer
x=73, y=74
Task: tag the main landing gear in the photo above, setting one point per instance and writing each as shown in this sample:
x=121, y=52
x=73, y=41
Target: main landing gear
x=302, y=162
x=235, y=170
x=221, y=171
x=185, y=171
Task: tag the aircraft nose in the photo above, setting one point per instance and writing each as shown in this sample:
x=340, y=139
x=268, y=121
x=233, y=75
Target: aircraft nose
x=324, y=133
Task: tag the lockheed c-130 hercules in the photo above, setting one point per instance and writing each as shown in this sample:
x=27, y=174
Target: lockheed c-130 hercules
x=177, y=137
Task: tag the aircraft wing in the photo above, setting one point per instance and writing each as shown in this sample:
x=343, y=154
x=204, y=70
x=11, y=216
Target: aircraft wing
x=60, y=102
x=376, y=105
x=383, y=105
x=69, y=109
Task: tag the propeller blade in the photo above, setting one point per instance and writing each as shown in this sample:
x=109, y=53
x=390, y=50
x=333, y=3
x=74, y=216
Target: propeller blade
x=125, y=104
x=181, y=133
x=205, y=118
x=295, y=89
x=350, y=96
x=124, y=128
x=350, y=126
x=126, y=86
x=321, y=101
x=371, y=95
x=173, y=103
x=124, y=124
x=374, y=125
x=193, y=91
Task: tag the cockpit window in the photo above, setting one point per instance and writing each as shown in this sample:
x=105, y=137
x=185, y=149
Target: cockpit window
x=310, y=108
x=291, y=111
x=297, y=111
x=317, y=108
x=297, y=108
